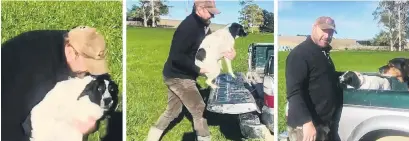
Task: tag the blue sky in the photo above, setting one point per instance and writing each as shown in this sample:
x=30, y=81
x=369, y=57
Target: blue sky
x=353, y=19
x=229, y=9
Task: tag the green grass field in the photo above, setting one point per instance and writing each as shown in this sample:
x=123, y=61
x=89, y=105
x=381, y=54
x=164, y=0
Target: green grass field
x=343, y=60
x=147, y=51
x=22, y=16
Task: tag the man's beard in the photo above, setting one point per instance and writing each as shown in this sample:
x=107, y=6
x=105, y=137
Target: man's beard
x=207, y=22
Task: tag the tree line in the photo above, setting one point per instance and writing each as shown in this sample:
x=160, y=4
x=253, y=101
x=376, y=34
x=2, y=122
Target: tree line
x=252, y=17
x=393, y=18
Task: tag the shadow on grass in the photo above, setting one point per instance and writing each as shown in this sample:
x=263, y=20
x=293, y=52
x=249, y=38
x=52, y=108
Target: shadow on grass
x=228, y=124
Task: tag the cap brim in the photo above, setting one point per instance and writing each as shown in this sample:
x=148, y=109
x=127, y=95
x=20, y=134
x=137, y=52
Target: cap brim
x=96, y=67
x=214, y=11
x=326, y=26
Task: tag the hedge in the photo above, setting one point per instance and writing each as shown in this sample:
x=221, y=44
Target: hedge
x=22, y=16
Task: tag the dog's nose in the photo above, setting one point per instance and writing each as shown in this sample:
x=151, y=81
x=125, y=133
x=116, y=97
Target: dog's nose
x=107, y=101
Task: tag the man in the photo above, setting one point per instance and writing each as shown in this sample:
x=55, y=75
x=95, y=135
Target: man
x=180, y=71
x=33, y=62
x=313, y=91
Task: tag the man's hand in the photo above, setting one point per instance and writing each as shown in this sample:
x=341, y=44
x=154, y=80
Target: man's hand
x=85, y=127
x=230, y=54
x=309, y=132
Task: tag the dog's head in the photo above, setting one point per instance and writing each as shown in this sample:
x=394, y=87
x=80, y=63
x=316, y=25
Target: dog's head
x=101, y=91
x=396, y=67
x=236, y=30
x=352, y=79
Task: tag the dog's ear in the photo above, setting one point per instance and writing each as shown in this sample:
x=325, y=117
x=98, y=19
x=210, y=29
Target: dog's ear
x=400, y=64
x=88, y=90
x=242, y=32
x=351, y=78
x=383, y=69
x=239, y=30
x=234, y=29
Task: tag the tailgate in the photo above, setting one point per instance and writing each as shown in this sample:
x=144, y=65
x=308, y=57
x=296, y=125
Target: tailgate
x=232, y=96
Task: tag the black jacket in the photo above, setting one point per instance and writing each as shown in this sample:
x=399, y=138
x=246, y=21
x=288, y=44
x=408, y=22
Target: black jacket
x=313, y=89
x=32, y=63
x=186, y=41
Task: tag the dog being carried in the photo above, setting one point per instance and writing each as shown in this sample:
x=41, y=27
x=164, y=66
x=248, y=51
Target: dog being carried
x=211, y=51
x=77, y=98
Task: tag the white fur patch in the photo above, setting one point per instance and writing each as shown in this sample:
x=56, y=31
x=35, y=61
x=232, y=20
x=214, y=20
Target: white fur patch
x=51, y=119
x=373, y=82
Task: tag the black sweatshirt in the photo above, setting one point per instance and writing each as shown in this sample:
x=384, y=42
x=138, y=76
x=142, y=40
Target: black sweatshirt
x=32, y=63
x=313, y=90
x=186, y=41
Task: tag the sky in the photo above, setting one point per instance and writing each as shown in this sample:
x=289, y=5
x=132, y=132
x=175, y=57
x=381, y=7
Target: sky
x=353, y=19
x=229, y=9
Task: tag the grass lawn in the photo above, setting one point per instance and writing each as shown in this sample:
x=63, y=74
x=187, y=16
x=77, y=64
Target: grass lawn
x=344, y=60
x=147, y=51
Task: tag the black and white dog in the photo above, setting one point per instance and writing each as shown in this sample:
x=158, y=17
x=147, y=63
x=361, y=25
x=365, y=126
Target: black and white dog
x=361, y=81
x=75, y=98
x=397, y=67
x=211, y=51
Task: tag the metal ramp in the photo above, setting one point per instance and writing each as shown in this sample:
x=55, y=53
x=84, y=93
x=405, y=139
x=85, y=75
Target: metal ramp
x=232, y=96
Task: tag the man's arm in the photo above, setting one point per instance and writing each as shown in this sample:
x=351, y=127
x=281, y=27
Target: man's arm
x=339, y=73
x=181, y=43
x=296, y=75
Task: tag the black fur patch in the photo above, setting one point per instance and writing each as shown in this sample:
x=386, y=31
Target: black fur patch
x=236, y=29
x=201, y=54
x=350, y=78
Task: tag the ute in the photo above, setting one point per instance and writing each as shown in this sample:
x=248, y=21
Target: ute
x=250, y=94
x=375, y=115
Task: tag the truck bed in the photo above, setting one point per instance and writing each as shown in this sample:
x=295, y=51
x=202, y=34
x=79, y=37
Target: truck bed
x=232, y=96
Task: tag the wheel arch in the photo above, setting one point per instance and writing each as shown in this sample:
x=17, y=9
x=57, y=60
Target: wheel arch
x=380, y=123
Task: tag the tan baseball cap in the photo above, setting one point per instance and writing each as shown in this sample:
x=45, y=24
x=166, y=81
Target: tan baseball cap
x=210, y=5
x=325, y=22
x=91, y=45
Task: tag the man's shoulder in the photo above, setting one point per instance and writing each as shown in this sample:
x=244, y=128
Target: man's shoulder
x=43, y=33
x=37, y=34
x=187, y=25
x=297, y=50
